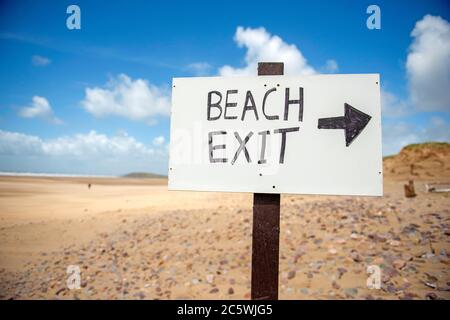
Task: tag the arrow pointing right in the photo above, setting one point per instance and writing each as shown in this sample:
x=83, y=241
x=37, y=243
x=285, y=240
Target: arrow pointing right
x=353, y=122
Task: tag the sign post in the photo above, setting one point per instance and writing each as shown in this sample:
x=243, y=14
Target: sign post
x=266, y=228
x=273, y=134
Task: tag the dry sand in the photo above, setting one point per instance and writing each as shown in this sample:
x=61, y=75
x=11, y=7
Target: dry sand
x=133, y=239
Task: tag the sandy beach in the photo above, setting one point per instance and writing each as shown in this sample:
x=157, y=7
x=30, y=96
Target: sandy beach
x=134, y=239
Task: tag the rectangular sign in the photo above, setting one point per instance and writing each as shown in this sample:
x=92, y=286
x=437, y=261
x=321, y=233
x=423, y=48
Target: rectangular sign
x=317, y=134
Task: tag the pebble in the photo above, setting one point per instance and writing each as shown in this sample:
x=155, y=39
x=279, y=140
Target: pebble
x=355, y=256
x=394, y=243
x=431, y=296
x=399, y=264
x=210, y=278
x=140, y=295
x=304, y=290
x=351, y=292
x=341, y=271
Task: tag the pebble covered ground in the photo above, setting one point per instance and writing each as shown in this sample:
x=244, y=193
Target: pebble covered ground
x=326, y=245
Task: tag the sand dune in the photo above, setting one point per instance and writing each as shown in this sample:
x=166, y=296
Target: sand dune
x=133, y=239
x=428, y=161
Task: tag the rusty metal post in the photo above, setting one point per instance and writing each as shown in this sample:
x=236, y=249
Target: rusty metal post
x=266, y=227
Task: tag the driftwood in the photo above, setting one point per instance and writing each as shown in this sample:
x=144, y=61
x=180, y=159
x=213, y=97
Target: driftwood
x=409, y=189
x=437, y=187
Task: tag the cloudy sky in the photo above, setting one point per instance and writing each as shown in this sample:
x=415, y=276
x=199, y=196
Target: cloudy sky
x=97, y=100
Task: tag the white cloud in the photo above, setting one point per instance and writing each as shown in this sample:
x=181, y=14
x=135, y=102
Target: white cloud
x=40, y=61
x=39, y=108
x=199, y=68
x=428, y=71
x=331, y=66
x=398, y=134
x=438, y=130
x=428, y=64
x=80, y=145
x=261, y=46
x=392, y=106
x=124, y=97
x=14, y=143
x=159, y=141
x=91, y=152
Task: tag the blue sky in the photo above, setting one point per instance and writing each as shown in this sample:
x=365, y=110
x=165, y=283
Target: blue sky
x=76, y=101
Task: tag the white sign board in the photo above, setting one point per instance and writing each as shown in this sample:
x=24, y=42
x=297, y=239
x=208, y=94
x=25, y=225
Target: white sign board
x=316, y=134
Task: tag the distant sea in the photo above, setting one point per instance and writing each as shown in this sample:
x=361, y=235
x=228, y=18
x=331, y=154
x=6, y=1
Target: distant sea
x=67, y=175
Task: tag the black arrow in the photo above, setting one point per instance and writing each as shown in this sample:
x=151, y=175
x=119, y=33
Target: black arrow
x=354, y=121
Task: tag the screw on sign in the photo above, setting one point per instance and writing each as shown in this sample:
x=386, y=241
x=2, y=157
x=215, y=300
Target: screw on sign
x=269, y=135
